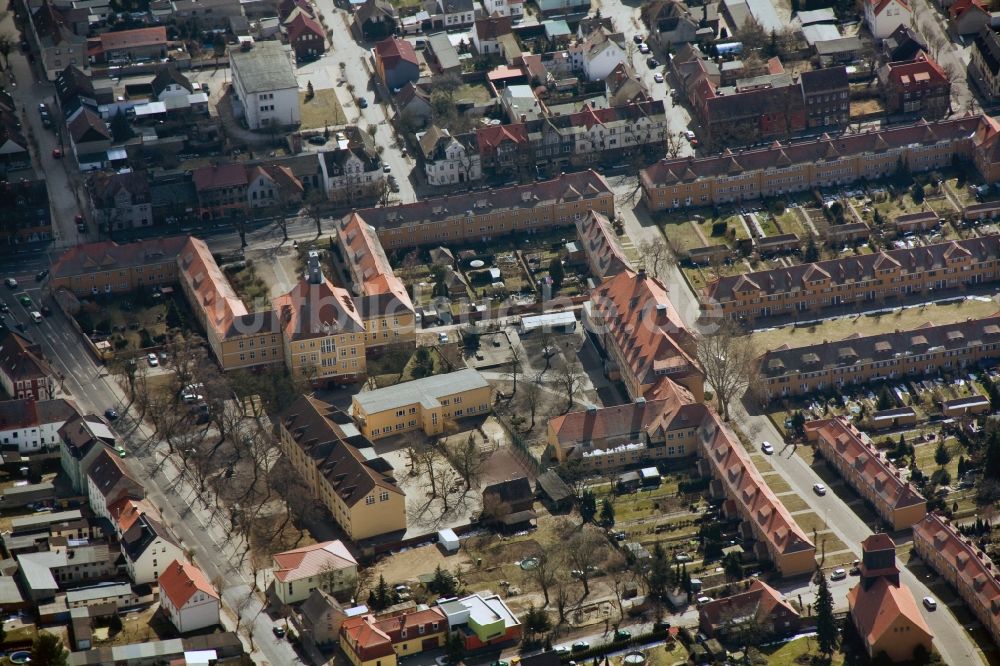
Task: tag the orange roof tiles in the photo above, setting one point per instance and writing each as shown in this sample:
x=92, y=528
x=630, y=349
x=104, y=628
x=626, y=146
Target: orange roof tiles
x=127, y=39
x=365, y=638
x=110, y=256
x=216, y=177
x=317, y=310
x=393, y=50
x=877, y=609
x=761, y=598
x=363, y=251
x=126, y=511
x=312, y=560
x=181, y=580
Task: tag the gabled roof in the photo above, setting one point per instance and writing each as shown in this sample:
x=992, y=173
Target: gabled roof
x=364, y=253
x=142, y=534
x=21, y=360
x=919, y=72
x=31, y=413
x=301, y=24
x=317, y=310
x=169, y=75
x=375, y=10
x=511, y=491
x=492, y=27
x=130, y=39
x=762, y=599
x=109, y=255
x=219, y=176
x=312, y=560
x=125, y=511
x=828, y=79
x=877, y=609
x=113, y=479
x=394, y=50
x=600, y=242
x=181, y=580
x=879, y=6
x=88, y=126
x=104, y=187
x=904, y=43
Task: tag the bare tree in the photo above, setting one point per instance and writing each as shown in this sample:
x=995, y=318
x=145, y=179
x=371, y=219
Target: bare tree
x=728, y=360
x=546, y=573
x=532, y=398
x=585, y=550
x=514, y=367
x=467, y=460
x=569, y=378
x=563, y=592
x=315, y=204
x=673, y=144
x=656, y=256
x=183, y=357
x=494, y=509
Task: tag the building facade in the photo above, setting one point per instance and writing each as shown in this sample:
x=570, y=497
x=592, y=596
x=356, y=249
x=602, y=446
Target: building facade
x=265, y=85
x=328, y=567
x=33, y=425
x=108, y=267
x=919, y=86
x=188, y=598
x=24, y=373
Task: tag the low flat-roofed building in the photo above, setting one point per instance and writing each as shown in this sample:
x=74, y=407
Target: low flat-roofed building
x=120, y=595
x=481, y=620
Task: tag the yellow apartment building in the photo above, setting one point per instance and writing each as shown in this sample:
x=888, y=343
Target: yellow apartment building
x=327, y=450
x=423, y=404
x=107, y=267
x=322, y=332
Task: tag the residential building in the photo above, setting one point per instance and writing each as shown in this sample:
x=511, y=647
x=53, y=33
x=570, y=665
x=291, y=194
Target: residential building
x=512, y=8
x=601, y=52
x=985, y=61
x=273, y=186
x=968, y=17
x=149, y=548
x=237, y=337
x=371, y=641
x=916, y=86
x=514, y=494
x=520, y=103
x=487, y=31
x=125, y=46
x=119, y=596
x=903, y=44
x=481, y=620
x=108, y=481
x=13, y=144
x=422, y=404
x=89, y=136
x=827, y=96
x=450, y=14
x=637, y=433
x=24, y=211
x=778, y=537
x=396, y=62
x=352, y=171
x=188, y=598
x=883, y=16
x=605, y=255
x=126, y=511
x=519, y=209
x=120, y=200
x=888, y=276
x=81, y=440
x=761, y=605
x=107, y=267
x=623, y=86
x=44, y=573
x=341, y=470
x=824, y=162
x=506, y=150
x=321, y=616
x=205, y=14
x=57, y=44
x=968, y=570
x=670, y=23
x=170, y=83
x=30, y=425
x=305, y=35
x=868, y=471
x=328, y=567
x=563, y=7
x=376, y=19
x=323, y=333
x=413, y=103
x=385, y=306
x=648, y=345
x=986, y=157
x=448, y=159
x=222, y=191
x=265, y=86
x=24, y=372
x=883, y=611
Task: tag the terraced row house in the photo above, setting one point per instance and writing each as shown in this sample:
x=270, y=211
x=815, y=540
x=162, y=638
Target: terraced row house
x=827, y=161
x=868, y=471
x=880, y=279
x=967, y=569
x=928, y=349
x=483, y=215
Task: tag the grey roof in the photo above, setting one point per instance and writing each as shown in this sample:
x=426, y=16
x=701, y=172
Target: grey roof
x=426, y=391
x=446, y=54
x=43, y=520
x=763, y=12
x=820, y=32
x=97, y=592
x=265, y=67
x=10, y=595
x=826, y=15
x=842, y=45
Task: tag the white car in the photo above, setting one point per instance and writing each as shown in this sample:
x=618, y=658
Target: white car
x=767, y=448
x=658, y=77
x=929, y=603
x=819, y=489
x=442, y=337
x=838, y=574
x=643, y=49
x=153, y=361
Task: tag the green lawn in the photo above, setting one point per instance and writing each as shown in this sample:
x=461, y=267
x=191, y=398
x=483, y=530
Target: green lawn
x=790, y=653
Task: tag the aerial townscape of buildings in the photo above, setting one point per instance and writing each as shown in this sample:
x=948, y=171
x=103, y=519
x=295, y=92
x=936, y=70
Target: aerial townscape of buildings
x=493, y=332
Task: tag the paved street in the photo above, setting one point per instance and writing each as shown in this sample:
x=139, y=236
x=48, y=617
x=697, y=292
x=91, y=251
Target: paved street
x=954, y=58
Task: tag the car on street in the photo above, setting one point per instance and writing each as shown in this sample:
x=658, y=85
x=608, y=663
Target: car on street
x=4, y=307
x=561, y=649
x=643, y=49
x=152, y=360
x=279, y=632
x=652, y=63
x=46, y=311
x=580, y=646
x=443, y=338
x=41, y=275
x=36, y=316
x=622, y=635
x=929, y=603
x=386, y=168
x=318, y=140
x=689, y=135
x=25, y=301
x=43, y=111
x=658, y=77
x=11, y=283
x=362, y=102
x=819, y=489
x=767, y=448
x=838, y=574
x=111, y=414
x=637, y=39
x=57, y=153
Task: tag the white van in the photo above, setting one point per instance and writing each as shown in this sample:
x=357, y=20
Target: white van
x=36, y=317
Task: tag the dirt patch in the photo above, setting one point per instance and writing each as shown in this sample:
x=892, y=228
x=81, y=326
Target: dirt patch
x=407, y=566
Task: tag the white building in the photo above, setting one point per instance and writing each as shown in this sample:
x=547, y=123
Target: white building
x=148, y=548
x=351, y=171
x=187, y=597
x=121, y=200
x=265, y=85
x=884, y=16
x=109, y=480
x=600, y=53
x=512, y=8
x=520, y=103
x=119, y=594
x=32, y=425
x=327, y=566
x=448, y=160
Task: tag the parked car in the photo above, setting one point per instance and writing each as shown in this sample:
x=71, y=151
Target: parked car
x=152, y=360
x=57, y=153
x=4, y=307
x=767, y=448
x=652, y=63
x=658, y=77
x=929, y=603
x=838, y=574
x=637, y=39
x=46, y=311
x=111, y=414
x=386, y=168
x=819, y=489
x=42, y=274
x=622, y=635
x=580, y=646
x=362, y=102
x=11, y=283
x=643, y=49
x=279, y=632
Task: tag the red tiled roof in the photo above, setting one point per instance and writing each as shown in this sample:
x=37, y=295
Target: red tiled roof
x=311, y=560
x=181, y=580
x=317, y=310
x=921, y=71
x=126, y=511
x=763, y=599
x=301, y=24
x=365, y=638
x=960, y=6
x=879, y=5
x=876, y=609
x=600, y=242
x=126, y=39
x=364, y=252
x=214, y=177
x=880, y=541
x=110, y=256
x=393, y=50
x=492, y=136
